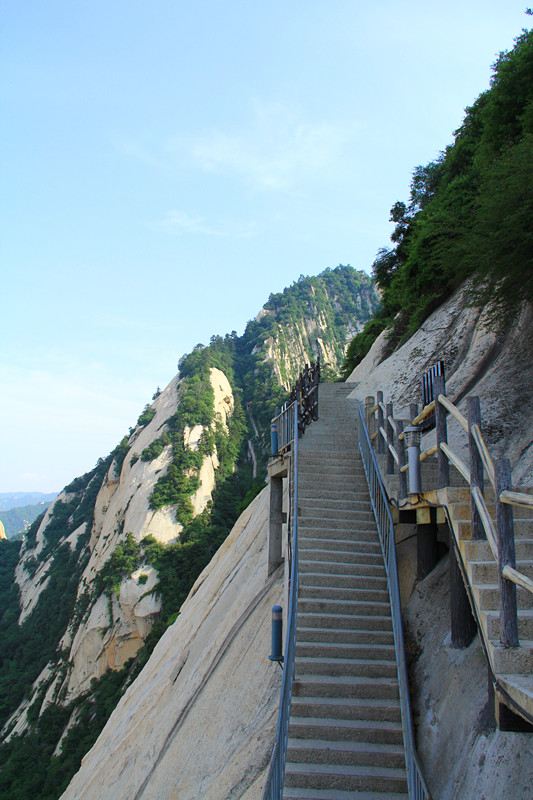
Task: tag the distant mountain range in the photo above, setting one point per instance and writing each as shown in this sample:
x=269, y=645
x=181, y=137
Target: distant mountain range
x=19, y=509
x=9, y=500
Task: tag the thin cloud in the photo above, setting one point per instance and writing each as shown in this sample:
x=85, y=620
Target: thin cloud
x=277, y=151
x=181, y=223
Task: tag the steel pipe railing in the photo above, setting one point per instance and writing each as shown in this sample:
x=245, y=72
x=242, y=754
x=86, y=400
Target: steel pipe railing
x=274, y=785
x=382, y=514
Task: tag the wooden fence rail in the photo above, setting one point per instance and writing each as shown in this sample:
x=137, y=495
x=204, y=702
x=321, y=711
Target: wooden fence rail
x=388, y=437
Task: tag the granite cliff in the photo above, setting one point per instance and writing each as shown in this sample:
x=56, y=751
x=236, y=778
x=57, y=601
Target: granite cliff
x=104, y=573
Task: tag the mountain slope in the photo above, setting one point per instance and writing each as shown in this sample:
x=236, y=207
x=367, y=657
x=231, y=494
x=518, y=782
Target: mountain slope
x=105, y=571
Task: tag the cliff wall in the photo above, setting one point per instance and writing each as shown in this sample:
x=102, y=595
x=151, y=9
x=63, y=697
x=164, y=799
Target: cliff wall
x=199, y=720
x=495, y=365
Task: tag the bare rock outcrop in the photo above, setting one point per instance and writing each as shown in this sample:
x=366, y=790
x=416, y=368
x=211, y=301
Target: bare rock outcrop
x=495, y=365
x=199, y=719
x=113, y=629
x=463, y=754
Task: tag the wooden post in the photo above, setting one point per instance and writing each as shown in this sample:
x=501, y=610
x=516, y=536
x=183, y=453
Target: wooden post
x=476, y=466
x=390, y=439
x=506, y=552
x=442, y=434
x=413, y=411
x=400, y=447
x=380, y=442
x=463, y=622
x=426, y=546
x=275, y=524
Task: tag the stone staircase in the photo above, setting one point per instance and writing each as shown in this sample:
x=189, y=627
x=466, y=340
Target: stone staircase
x=513, y=667
x=345, y=733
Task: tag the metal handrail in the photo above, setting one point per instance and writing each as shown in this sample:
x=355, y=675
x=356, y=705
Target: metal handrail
x=285, y=423
x=274, y=785
x=380, y=506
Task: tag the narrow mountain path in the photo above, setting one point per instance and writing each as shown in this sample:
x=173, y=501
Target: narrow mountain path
x=345, y=734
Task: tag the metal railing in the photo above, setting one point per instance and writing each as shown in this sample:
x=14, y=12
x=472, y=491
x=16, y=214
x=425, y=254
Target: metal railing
x=284, y=425
x=274, y=785
x=380, y=506
x=305, y=397
x=387, y=432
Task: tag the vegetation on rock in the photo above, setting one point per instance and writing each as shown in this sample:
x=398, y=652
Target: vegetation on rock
x=469, y=214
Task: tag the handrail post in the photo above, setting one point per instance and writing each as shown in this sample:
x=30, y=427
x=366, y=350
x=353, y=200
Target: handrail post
x=442, y=433
x=369, y=415
x=390, y=438
x=506, y=553
x=400, y=445
x=412, y=435
x=476, y=466
x=380, y=442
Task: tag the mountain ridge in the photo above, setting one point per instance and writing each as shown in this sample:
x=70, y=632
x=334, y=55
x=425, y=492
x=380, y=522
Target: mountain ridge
x=122, y=545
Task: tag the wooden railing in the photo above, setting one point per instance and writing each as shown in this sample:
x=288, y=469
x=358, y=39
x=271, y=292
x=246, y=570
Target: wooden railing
x=387, y=435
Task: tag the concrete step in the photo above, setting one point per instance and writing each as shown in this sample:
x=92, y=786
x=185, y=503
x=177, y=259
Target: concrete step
x=347, y=708
x=336, y=453
x=325, y=504
x=345, y=776
x=487, y=571
x=350, y=469
x=369, y=668
x=336, y=517
x=356, y=543
x=479, y=550
x=363, y=540
x=307, y=633
x=335, y=494
x=357, y=593
x=353, y=621
x=310, y=564
x=345, y=686
x=488, y=596
x=523, y=529
x=343, y=581
x=333, y=456
x=359, y=608
x=322, y=751
x=344, y=650
x=298, y=793
x=338, y=529
x=328, y=482
x=525, y=624
x=329, y=435
x=355, y=555
x=345, y=729
x=513, y=659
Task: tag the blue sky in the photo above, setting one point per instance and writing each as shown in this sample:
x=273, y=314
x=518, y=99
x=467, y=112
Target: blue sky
x=167, y=165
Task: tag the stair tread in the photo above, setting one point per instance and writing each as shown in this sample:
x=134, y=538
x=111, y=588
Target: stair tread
x=297, y=793
x=354, y=661
x=346, y=680
x=352, y=702
x=342, y=769
x=356, y=724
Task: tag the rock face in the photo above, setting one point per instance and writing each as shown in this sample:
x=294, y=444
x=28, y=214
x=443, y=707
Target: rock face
x=463, y=755
x=199, y=720
x=496, y=366
x=112, y=630
x=323, y=327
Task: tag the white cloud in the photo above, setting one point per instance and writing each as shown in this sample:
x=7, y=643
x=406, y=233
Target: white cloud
x=182, y=223
x=277, y=150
